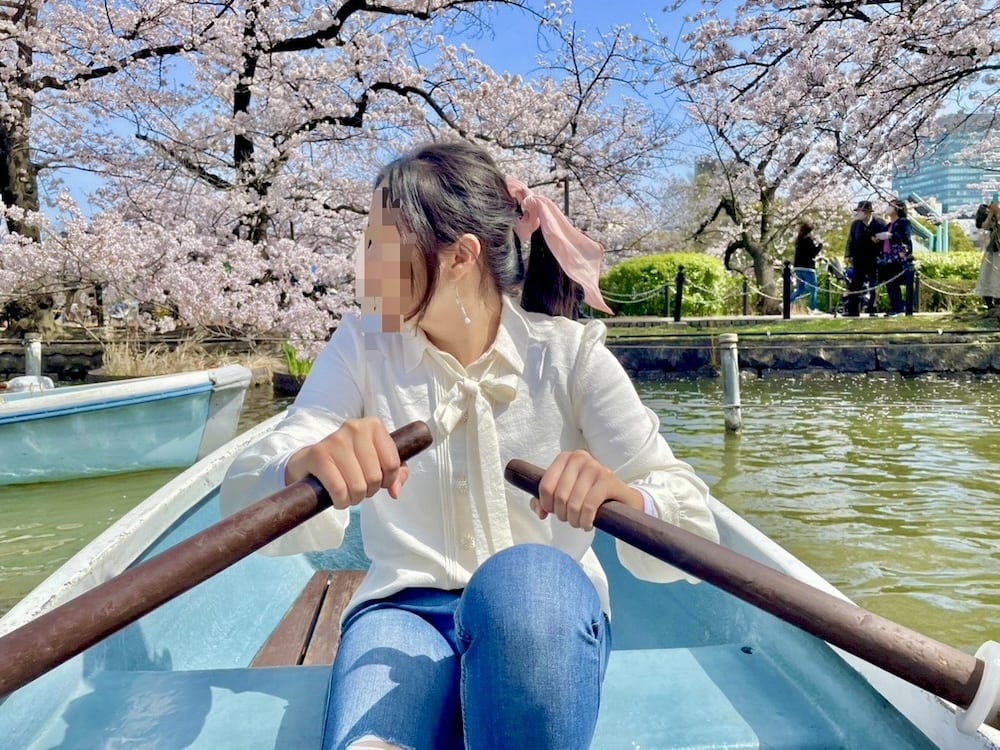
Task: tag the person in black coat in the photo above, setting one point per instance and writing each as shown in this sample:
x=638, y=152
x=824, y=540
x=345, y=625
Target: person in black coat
x=862, y=256
x=806, y=250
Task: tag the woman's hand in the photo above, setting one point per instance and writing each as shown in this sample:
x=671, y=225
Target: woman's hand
x=575, y=486
x=353, y=463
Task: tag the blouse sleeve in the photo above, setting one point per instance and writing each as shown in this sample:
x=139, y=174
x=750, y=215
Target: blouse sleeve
x=624, y=435
x=331, y=395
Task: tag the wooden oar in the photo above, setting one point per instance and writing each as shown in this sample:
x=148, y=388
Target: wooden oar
x=937, y=668
x=61, y=633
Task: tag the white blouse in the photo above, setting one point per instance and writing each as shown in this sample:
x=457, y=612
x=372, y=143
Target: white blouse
x=547, y=385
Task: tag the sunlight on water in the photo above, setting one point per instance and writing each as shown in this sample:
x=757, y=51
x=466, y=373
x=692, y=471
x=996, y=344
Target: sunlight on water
x=886, y=487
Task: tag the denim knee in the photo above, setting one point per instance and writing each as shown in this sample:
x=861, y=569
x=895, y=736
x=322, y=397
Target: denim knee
x=534, y=641
x=527, y=592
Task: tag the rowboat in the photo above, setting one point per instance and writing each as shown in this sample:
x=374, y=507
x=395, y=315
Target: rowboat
x=161, y=422
x=242, y=660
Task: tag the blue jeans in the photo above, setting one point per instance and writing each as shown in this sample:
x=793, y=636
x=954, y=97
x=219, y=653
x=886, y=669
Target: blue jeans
x=807, y=283
x=515, y=660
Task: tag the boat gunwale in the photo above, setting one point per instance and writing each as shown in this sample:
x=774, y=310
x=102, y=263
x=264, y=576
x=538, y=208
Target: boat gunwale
x=118, y=393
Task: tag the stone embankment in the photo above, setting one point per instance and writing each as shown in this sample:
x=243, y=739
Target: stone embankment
x=764, y=355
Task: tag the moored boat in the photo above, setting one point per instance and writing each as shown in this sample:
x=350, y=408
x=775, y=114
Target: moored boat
x=114, y=427
x=693, y=667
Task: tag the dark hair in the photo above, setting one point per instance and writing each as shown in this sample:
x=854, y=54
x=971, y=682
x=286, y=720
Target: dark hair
x=804, y=228
x=546, y=288
x=899, y=206
x=448, y=189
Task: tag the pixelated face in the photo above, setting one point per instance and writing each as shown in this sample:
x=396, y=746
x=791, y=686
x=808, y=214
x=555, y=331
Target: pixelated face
x=390, y=273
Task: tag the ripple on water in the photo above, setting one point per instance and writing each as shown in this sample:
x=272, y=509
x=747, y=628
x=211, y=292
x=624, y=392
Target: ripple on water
x=885, y=487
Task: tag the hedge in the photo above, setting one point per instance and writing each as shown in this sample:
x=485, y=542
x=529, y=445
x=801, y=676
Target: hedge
x=636, y=286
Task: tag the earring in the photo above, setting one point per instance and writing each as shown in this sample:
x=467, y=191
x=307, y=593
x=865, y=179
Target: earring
x=465, y=316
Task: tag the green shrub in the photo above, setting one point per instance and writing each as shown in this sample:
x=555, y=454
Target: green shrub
x=948, y=281
x=636, y=286
x=953, y=266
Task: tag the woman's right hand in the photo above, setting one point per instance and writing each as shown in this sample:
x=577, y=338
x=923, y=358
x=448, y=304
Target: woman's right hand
x=352, y=463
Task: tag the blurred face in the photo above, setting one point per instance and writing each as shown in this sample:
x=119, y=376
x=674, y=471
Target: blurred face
x=866, y=214
x=390, y=273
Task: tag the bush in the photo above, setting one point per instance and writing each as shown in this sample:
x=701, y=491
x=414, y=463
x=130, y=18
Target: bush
x=636, y=286
x=948, y=281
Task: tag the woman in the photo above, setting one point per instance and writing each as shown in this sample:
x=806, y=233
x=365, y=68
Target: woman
x=896, y=257
x=483, y=621
x=806, y=251
x=988, y=284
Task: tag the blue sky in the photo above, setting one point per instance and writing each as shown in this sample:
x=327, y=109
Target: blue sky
x=514, y=47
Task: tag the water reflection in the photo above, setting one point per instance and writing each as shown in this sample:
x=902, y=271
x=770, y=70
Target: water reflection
x=885, y=487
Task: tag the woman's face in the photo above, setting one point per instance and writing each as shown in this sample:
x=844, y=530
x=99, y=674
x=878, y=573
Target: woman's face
x=390, y=274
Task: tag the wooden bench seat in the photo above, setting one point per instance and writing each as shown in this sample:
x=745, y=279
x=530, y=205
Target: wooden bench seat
x=309, y=633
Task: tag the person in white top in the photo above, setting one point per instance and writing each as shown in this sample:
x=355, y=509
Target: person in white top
x=484, y=619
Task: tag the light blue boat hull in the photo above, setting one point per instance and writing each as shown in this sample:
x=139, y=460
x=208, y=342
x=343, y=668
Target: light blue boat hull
x=692, y=667
x=118, y=427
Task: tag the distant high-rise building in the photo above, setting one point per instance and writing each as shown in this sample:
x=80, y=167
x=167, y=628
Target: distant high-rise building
x=947, y=176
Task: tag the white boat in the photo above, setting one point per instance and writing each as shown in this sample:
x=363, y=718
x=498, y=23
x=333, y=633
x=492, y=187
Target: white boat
x=692, y=666
x=114, y=427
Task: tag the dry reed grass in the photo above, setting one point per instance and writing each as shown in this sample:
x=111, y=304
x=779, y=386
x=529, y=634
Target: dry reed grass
x=128, y=359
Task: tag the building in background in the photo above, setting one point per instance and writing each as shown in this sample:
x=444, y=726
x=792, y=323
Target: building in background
x=952, y=174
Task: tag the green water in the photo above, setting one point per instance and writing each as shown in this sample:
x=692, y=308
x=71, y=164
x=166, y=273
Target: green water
x=888, y=488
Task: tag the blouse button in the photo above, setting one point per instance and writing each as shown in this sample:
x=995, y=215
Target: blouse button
x=468, y=542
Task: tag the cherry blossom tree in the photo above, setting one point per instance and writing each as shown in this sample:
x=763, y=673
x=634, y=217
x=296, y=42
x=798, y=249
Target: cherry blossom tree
x=236, y=141
x=879, y=75
x=763, y=163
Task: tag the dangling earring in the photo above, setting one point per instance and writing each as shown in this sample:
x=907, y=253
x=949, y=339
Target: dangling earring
x=465, y=316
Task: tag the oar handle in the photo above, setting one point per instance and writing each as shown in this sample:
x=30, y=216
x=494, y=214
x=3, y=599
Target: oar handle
x=936, y=667
x=63, y=632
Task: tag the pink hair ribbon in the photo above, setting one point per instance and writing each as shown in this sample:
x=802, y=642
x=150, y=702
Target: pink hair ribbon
x=579, y=256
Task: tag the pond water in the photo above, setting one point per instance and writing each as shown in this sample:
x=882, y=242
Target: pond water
x=887, y=487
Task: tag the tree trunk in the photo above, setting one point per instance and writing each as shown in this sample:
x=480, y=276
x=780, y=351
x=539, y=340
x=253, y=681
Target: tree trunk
x=763, y=271
x=18, y=174
x=253, y=226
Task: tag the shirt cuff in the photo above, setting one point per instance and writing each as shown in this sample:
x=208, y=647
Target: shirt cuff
x=648, y=506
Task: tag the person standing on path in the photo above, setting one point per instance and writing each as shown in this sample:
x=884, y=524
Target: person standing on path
x=806, y=251
x=988, y=284
x=896, y=257
x=862, y=256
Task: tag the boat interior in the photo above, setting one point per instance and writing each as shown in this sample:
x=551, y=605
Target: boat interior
x=242, y=661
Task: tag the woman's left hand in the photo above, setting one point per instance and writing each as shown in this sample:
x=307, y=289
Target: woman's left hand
x=575, y=486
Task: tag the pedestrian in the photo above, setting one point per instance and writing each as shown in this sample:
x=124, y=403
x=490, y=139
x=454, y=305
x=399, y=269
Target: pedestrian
x=988, y=284
x=896, y=256
x=484, y=619
x=862, y=257
x=807, y=249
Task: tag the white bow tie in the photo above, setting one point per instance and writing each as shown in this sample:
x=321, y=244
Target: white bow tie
x=491, y=522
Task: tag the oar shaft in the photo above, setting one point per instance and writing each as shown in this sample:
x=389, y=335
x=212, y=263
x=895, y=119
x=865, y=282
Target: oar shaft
x=63, y=632
x=936, y=667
